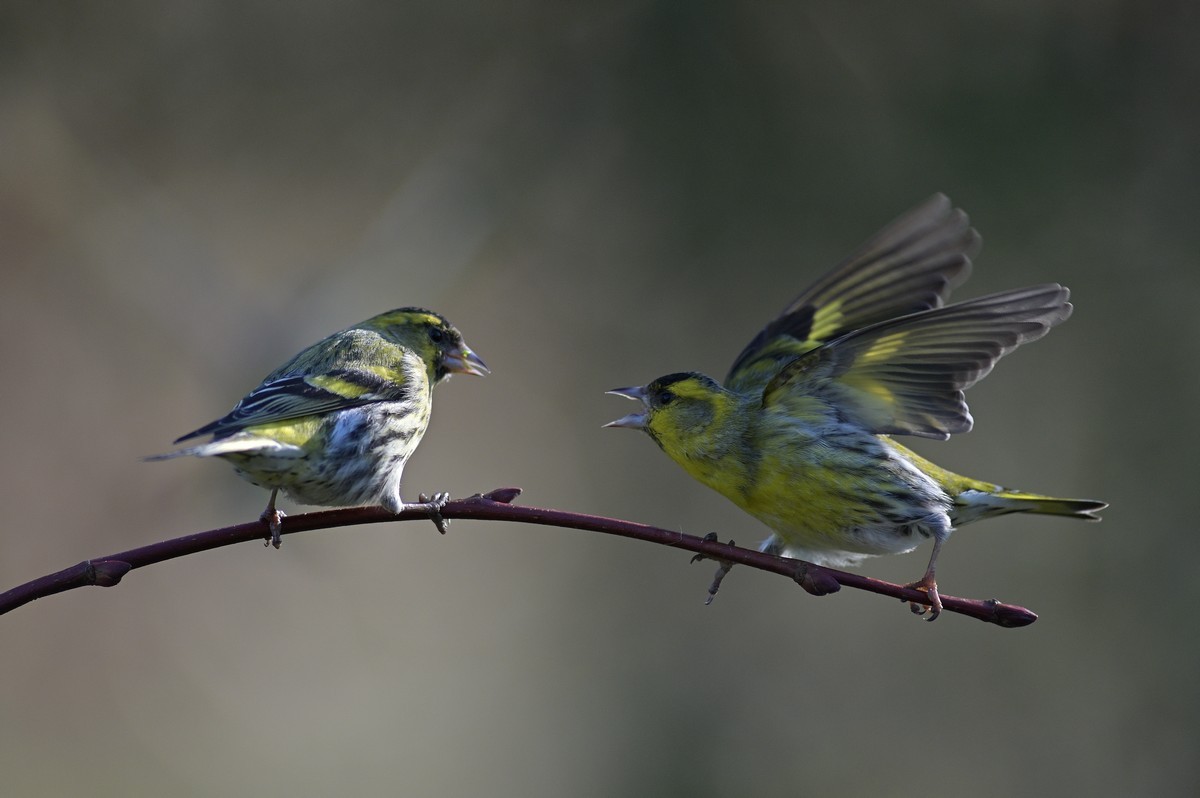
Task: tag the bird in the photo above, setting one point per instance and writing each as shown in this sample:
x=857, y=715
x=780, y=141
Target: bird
x=801, y=433
x=335, y=424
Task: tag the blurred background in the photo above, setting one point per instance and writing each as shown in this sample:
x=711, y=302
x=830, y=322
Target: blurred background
x=595, y=194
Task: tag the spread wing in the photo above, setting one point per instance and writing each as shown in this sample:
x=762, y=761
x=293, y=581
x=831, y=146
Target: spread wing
x=909, y=266
x=906, y=376
x=296, y=396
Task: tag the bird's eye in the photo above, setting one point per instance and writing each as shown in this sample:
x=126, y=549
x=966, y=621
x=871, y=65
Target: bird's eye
x=665, y=398
x=436, y=335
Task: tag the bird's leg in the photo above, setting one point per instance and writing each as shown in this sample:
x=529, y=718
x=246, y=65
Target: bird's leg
x=433, y=506
x=722, y=569
x=928, y=585
x=273, y=518
x=772, y=545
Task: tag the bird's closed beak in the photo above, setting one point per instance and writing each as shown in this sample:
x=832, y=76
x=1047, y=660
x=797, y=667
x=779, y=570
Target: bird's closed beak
x=461, y=360
x=633, y=420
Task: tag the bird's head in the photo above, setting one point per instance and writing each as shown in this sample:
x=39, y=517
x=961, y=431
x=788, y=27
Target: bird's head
x=678, y=411
x=432, y=337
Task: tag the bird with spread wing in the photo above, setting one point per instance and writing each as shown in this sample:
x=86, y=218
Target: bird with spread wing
x=800, y=433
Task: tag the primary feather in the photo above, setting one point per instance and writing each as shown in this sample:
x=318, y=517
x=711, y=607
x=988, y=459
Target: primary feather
x=906, y=376
x=911, y=265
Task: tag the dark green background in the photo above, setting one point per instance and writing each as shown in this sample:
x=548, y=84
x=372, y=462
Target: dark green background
x=596, y=194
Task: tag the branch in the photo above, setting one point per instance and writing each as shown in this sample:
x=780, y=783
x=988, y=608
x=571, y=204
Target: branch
x=497, y=506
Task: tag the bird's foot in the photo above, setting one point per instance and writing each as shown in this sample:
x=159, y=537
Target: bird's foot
x=273, y=518
x=433, y=505
x=928, y=586
x=723, y=568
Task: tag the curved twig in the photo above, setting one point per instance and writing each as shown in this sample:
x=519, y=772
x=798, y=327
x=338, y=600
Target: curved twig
x=497, y=506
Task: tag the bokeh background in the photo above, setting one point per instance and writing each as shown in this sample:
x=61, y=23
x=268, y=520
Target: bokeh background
x=596, y=194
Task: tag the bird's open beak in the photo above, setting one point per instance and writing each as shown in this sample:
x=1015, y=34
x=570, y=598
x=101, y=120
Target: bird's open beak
x=633, y=420
x=462, y=360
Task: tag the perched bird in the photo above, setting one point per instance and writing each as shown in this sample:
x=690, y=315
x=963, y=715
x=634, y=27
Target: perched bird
x=335, y=424
x=799, y=435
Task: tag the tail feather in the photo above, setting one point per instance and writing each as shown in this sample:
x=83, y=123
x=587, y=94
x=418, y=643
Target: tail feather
x=1087, y=509
x=975, y=504
x=169, y=455
x=235, y=444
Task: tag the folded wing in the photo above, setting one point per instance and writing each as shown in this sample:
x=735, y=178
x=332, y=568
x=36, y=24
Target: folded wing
x=296, y=396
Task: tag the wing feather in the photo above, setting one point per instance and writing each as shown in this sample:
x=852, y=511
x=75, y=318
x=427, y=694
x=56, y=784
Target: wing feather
x=296, y=396
x=906, y=376
x=909, y=266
